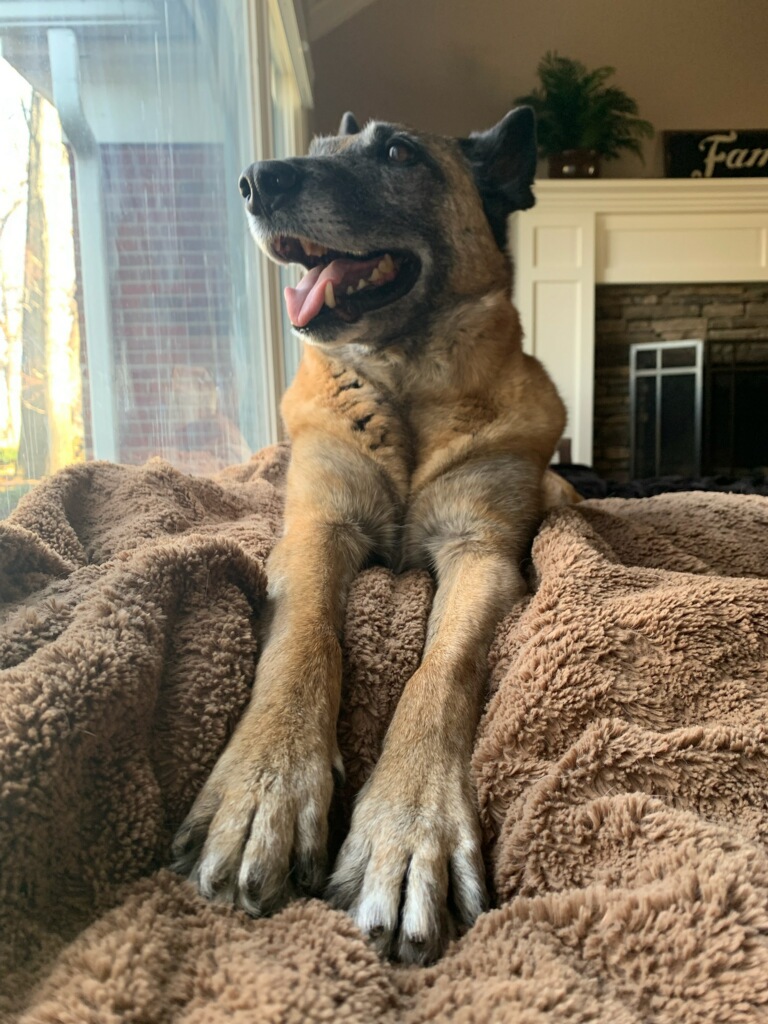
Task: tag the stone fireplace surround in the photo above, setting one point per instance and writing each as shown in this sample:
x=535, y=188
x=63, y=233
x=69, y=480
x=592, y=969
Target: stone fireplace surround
x=676, y=232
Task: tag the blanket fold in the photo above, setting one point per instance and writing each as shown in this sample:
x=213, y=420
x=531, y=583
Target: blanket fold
x=621, y=763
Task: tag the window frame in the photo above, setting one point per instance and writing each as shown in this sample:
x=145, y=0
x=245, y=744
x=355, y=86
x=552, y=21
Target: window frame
x=276, y=33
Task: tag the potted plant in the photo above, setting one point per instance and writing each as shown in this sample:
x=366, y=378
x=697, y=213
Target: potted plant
x=580, y=119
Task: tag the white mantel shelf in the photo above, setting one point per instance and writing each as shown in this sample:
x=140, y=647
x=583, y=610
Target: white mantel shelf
x=624, y=231
x=661, y=194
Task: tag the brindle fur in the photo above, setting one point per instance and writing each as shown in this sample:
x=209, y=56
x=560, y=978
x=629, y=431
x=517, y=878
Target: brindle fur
x=421, y=434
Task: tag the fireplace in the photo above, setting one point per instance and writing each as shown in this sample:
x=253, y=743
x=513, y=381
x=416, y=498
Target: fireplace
x=681, y=380
x=649, y=261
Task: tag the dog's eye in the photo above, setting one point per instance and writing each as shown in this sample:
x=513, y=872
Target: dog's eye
x=401, y=152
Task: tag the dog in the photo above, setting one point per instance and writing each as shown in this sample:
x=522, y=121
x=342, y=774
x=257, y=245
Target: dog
x=421, y=435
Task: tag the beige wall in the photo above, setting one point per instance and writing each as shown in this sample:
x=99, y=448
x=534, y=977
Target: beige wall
x=456, y=65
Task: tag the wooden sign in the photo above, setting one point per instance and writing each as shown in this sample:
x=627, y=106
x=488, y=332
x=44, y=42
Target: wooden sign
x=716, y=154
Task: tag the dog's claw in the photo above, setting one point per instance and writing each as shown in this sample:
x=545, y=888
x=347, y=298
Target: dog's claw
x=185, y=849
x=310, y=874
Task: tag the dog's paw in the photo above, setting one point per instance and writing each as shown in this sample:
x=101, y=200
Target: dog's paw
x=410, y=872
x=257, y=833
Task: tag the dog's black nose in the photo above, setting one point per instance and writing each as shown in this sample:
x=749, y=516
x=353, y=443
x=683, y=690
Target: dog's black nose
x=276, y=177
x=267, y=185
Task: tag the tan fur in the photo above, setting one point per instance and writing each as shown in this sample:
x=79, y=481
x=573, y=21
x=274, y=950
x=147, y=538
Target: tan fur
x=434, y=457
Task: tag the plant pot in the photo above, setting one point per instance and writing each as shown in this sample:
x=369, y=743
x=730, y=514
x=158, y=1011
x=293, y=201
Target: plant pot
x=575, y=163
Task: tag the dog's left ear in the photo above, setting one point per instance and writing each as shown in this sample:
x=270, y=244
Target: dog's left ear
x=349, y=125
x=503, y=162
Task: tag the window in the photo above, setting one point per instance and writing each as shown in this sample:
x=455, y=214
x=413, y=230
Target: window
x=136, y=317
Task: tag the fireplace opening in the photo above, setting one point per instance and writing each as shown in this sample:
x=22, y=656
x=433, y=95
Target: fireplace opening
x=736, y=408
x=681, y=381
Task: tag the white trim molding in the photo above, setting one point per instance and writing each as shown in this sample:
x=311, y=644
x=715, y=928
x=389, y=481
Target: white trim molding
x=655, y=231
x=294, y=27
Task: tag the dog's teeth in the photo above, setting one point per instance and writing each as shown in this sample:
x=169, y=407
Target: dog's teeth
x=330, y=298
x=387, y=265
x=350, y=290
x=313, y=248
x=375, y=276
x=362, y=283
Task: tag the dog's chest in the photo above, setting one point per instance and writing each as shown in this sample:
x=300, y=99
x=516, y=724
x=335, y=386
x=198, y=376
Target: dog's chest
x=411, y=435
x=413, y=428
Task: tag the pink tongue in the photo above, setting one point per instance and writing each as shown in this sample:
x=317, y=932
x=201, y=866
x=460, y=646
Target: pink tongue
x=306, y=300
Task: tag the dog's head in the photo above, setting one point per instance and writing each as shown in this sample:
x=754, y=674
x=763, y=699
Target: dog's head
x=391, y=225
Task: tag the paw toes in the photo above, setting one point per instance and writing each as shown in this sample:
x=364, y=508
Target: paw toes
x=381, y=939
x=310, y=859
x=424, y=917
x=409, y=908
x=215, y=874
x=260, y=900
x=376, y=917
x=264, y=887
x=468, y=890
x=250, y=903
x=256, y=838
x=346, y=881
x=187, y=845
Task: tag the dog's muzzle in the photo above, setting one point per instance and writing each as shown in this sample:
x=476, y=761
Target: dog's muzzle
x=339, y=285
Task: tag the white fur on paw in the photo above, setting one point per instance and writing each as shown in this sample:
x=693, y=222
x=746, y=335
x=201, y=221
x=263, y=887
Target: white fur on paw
x=411, y=877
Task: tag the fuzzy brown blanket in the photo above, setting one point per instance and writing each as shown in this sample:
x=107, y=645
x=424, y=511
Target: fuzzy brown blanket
x=621, y=764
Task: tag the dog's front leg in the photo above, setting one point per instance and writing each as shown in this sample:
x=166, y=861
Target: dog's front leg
x=257, y=832
x=411, y=869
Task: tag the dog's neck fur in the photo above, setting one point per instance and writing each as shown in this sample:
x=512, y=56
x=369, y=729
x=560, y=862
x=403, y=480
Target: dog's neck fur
x=464, y=346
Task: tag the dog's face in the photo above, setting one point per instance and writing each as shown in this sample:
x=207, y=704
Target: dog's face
x=391, y=225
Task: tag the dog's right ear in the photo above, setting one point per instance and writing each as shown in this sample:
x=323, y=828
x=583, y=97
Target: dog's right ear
x=349, y=125
x=503, y=162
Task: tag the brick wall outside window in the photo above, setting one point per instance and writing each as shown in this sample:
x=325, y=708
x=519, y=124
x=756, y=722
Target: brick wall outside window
x=171, y=294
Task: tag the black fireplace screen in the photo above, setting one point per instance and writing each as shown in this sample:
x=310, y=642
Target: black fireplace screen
x=666, y=388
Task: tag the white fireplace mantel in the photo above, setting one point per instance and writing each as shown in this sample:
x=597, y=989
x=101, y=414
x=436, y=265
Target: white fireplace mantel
x=655, y=231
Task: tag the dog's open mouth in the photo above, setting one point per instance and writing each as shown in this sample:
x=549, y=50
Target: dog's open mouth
x=341, y=284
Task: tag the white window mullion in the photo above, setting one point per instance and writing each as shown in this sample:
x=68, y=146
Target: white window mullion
x=270, y=315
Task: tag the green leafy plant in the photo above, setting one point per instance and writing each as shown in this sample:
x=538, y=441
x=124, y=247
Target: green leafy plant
x=575, y=109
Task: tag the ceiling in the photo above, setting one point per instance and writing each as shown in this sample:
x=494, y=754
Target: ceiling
x=323, y=16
